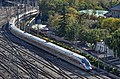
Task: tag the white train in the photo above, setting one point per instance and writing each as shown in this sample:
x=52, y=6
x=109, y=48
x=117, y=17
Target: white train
x=67, y=55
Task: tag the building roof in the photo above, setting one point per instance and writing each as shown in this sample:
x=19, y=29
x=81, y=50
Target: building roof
x=117, y=7
x=109, y=14
x=39, y=26
x=91, y=11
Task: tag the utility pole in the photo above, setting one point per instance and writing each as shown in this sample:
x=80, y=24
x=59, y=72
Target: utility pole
x=75, y=34
x=25, y=2
x=29, y=5
x=111, y=3
x=18, y=27
x=33, y=5
x=62, y=22
x=1, y=4
x=14, y=8
x=17, y=14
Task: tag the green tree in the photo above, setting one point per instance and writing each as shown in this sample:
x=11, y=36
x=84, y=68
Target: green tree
x=54, y=21
x=111, y=24
x=63, y=22
x=113, y=42
x=83, y=31
x=43, y=6
x=72, y=31
x=92, y=35
x=70, y=18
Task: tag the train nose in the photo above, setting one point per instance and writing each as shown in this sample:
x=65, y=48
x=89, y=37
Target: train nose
x=88, y=68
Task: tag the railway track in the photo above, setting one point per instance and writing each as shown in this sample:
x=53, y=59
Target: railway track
x=22, y=65
x=33, y=58
x=7, y=58
x=35, y=64
x=16, y=66
x=28, y=63
x=4, y=19
x=11, y=70
x=60, y=74
x=59, y=71
x=48, y=65
x=5, y=71
x=63, y=75
x=3, y=75
x=85, y=75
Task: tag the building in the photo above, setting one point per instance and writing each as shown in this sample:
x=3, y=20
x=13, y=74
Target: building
x=102, y=48
x=114, y=12
x=40, y=27
x=97, y=13
x=2, y=2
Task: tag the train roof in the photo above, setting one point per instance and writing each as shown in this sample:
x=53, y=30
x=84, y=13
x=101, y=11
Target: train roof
x=64, y=50
x=49, y=44
x=53, y=45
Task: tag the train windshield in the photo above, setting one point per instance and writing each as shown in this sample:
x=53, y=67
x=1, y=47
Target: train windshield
x=86, y=62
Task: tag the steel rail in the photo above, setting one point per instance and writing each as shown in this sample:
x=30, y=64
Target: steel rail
x=57, y=71
x=10, y=68
x=48, y=65
x=38, y=60
x=61, y=74
x=27, y=61
x=16, y=63
x=23, y=61
x=19, y=50
x=2, y=76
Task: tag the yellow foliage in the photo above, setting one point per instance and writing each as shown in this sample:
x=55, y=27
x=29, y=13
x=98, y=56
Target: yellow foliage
x=111, y=23
x=72, y=10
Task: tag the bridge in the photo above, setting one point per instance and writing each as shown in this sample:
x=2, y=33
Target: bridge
x=21, y=60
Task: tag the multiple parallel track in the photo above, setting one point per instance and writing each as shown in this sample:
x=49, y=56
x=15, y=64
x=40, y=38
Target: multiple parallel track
x=22, y=56
x=23, y=61
x=19, y=63
x=37, y=67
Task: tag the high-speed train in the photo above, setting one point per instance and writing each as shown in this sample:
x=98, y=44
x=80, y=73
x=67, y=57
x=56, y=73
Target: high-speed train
x=60, y=52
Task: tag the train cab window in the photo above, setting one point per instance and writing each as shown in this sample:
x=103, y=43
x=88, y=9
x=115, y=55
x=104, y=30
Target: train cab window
x=85, y=61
